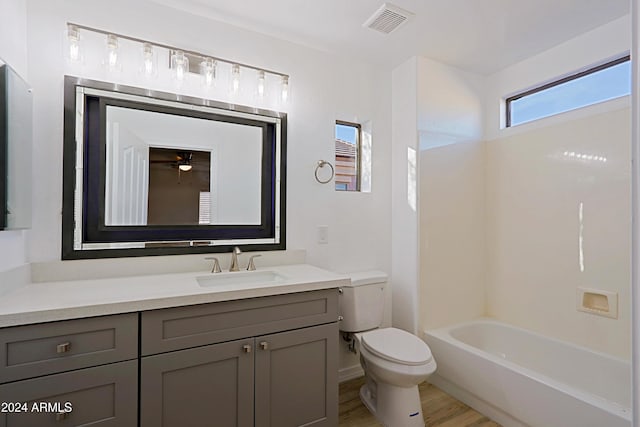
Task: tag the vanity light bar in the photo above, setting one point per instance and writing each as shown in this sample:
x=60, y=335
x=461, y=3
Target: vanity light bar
x=73, y=31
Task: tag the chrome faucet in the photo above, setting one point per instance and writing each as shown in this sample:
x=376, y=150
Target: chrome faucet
x=234, y=259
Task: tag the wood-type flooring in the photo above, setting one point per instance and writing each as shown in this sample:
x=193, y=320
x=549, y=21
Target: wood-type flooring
x=440, y=409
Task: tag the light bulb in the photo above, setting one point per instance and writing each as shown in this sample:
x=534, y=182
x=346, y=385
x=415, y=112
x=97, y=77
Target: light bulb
x=185, y=168
x=180, y=63
x=285, y=88
x=148, y=60
x=112, y=51
x=261, y=84
x=208, y=72
x=235, y=72
x=73, y=35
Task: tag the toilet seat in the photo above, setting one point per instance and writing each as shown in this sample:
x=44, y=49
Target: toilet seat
x=397, y=346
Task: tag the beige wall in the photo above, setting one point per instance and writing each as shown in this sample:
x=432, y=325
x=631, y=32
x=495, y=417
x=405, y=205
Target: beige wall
x=499, y=224
x=534, y=192
x=452, y=234
x=450, y=194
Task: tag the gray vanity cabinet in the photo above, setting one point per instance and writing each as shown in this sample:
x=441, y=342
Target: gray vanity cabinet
x=264, y=362
x=296, y=378
x=293, y=373
x=204, y=386
x=70, y=373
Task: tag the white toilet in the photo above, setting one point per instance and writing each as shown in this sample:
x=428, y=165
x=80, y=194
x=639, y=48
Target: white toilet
x=394, y=361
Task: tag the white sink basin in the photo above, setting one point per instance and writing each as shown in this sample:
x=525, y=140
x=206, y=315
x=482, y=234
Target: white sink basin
x=241, y=278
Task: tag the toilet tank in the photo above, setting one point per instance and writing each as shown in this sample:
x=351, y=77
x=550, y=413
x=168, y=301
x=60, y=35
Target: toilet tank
x=361, y=304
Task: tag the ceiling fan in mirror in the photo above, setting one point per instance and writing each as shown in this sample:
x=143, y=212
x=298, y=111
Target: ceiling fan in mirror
x=183, y=161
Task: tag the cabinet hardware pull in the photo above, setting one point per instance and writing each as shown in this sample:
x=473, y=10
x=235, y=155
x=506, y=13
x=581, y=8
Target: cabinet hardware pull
x=63, y=348
x=264, y=345
x=61, y=416
x=246, y=348
x=340, y=291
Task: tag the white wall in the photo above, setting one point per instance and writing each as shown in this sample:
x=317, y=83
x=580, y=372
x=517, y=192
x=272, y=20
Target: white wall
x=452, y=238
x=13, y=51
x=534, y=193
x=324, y=88
x=404, y=214
x=13, y=34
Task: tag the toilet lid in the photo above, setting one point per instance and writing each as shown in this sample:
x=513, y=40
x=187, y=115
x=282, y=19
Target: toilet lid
x=397, y=346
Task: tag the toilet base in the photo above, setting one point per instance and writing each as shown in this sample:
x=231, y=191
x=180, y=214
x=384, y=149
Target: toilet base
x=393, y=406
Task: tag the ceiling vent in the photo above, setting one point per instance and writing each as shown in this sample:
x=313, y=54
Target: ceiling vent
x=388, y=18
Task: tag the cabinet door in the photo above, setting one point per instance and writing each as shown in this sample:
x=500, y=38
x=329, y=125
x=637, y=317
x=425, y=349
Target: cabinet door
x=106, y=396
x=297, y=378
x=199, y=387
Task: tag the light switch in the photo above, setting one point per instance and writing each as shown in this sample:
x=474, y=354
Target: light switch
x=323, y=234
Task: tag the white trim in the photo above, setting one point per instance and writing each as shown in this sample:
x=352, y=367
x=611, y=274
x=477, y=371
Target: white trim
x=176, y=104
x=350, y=373
x=473, y=401
x=567, y=116
x=635, y=215
x=79, y=170
x=195, y=243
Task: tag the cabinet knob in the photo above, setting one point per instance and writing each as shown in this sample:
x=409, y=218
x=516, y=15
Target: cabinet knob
x=61, y=416
x=246, y=348
x=264, y=345
x=63, y=348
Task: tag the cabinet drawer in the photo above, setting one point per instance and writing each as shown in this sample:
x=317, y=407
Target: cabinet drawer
x=105, y=396
x=184, y=327
x=34, y=350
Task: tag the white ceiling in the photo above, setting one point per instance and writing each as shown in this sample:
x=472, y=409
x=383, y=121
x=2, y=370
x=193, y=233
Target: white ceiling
x=478, y=35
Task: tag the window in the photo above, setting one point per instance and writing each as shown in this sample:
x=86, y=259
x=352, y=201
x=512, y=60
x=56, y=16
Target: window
x=204, y=208
x=597, y=84
x=348, y=137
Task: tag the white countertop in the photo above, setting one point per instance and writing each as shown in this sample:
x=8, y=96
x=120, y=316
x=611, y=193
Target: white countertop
x=50, y=301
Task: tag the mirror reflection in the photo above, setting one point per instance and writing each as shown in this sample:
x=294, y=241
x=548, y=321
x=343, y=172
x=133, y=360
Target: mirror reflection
x=179, y=187
x=15, y=150
x=165, y=169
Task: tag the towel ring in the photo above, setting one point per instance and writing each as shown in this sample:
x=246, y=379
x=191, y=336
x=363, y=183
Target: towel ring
x=321, y=164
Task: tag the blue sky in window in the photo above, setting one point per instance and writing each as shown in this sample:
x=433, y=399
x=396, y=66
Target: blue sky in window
x=346, y=133
x=600, y=86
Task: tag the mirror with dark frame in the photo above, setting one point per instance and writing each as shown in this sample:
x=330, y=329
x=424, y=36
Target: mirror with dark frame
x=154, y=173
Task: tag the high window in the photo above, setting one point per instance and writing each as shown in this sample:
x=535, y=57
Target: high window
x=348, y=153
x=600, y=83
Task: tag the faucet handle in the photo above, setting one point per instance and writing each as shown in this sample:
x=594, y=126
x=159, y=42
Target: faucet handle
x=216, y=264
x=251, y=265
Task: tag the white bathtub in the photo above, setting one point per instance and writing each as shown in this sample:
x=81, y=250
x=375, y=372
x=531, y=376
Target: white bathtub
x=520, y=378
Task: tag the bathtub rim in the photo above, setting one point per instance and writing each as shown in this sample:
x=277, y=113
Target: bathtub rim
x=444, y=334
